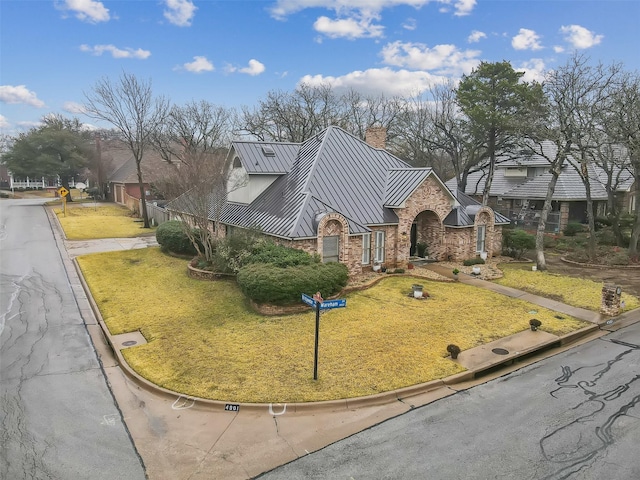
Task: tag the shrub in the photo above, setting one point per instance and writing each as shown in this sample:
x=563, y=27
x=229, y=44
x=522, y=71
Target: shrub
x=572, y=229
x=516, y=242
x=422, y=249
x=280, y=256
x=233, y=251
x=473, y=261
x=264, y=283
x=171, y=237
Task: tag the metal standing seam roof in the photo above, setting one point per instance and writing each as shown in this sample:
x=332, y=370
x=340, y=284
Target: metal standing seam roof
x=256, y=161
x=333, y=172
x=401, y=183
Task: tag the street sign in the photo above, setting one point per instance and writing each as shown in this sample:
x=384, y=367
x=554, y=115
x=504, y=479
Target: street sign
x=308, y=300
x=337, y=303
x=63, y=192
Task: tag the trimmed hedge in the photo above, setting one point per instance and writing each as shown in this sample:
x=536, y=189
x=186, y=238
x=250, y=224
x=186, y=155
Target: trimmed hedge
x=170, y=235
x=281, y=256
x=473, y=261
x=265, y=283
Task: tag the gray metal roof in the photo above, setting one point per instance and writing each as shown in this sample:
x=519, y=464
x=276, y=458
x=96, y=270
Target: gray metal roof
x=332, y=172
x=256, y=157
x=568, y=188
x=463, y=215
x=401, y=183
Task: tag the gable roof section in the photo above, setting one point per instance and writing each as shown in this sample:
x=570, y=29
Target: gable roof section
x=256, y=157
x=332, y=172
x=152, y=166
x=401, y=183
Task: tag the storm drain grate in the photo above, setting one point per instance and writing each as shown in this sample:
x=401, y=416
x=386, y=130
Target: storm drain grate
x=500, y=351
x=129, y=343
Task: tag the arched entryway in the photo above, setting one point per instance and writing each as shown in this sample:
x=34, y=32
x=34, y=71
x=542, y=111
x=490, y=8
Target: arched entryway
x=426, y=235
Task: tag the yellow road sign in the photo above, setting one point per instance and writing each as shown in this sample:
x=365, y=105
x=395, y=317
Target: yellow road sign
x=63, y=192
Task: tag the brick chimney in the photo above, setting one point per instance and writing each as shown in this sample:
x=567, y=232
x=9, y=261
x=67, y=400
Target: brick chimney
x=376, y=137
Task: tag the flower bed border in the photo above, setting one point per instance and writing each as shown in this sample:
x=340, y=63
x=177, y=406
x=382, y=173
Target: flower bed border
x=198, y=274
x=594, y=265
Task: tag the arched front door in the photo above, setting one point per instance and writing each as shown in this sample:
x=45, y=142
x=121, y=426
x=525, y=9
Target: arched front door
x=426, y=235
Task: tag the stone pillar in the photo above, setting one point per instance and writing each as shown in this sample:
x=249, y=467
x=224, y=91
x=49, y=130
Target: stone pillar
x=610, y=304
x=564, y=215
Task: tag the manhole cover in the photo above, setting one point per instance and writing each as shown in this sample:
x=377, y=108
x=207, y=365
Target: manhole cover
x=129, y=343
x=500, y=351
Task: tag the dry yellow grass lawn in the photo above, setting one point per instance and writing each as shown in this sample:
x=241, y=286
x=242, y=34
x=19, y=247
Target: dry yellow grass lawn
x=85, y=223
x=205, y=341
x=578, y=292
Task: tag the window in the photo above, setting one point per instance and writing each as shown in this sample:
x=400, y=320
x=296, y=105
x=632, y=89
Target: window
x=237, y=163
x=482, y=231
x=379, y=251
x=330, y=249
x=366, y=249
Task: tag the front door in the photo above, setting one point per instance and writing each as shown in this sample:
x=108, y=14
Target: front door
x=414, y=239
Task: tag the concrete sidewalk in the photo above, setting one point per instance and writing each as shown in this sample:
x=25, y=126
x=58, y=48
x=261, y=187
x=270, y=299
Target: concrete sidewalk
x=184, y=437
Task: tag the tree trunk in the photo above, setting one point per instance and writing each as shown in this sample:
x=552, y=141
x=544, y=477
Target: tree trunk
x=544, y=214
x=143, y=196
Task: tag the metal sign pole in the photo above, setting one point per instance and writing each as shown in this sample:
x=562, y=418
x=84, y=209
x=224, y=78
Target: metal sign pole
x=315, y=356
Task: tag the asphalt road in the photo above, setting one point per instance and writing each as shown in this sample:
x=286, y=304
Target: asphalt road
x=58, y=418
x=572, y=416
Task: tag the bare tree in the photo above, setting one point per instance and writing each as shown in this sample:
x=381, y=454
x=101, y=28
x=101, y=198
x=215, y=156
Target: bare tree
x=193, y=139
x=571, y=92
x=622, y=123
x=129, y=105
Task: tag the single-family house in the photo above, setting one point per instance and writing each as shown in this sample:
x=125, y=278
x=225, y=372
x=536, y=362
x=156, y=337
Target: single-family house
x=351, y=201
x=123, y=186
x=519, y=188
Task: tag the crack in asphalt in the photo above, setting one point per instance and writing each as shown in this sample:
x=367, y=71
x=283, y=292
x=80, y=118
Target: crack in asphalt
x=567, y=445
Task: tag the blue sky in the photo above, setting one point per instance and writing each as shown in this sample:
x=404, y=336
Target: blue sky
x=233, y=52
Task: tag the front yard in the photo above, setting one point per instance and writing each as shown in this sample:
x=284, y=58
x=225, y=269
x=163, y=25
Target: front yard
x=86, y=221
x=205, y=341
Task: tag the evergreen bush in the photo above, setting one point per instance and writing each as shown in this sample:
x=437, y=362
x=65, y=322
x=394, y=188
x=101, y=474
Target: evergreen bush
x=266, y=283
x=516, y=242
x=171, y=237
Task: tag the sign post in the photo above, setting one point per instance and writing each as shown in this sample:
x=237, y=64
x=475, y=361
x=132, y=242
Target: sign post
x=63, y=194
x=318, y=303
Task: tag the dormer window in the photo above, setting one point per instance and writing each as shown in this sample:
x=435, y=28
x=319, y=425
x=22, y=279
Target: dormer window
x=237, y=163
x=268, y=151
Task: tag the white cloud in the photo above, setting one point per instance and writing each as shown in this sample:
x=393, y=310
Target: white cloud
x=579, y=37
x=558, y=48
x=19, y=94
x=526, y=40
x=180, y=12
x=445, y=59
x=4, y=123
x=379, y=80
x=534, y=70
x=463, y=7
x=200, y=64
x=410, y=24
x=74, y=108
x=354, y=18
x=254, y=68
x=116, y=52
x=89, y=11
x=350, y=28
x=476, y=36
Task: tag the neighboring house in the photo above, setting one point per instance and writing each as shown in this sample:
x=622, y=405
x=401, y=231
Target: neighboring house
x=349, y=201
x=123, y=186
x=519, y=188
